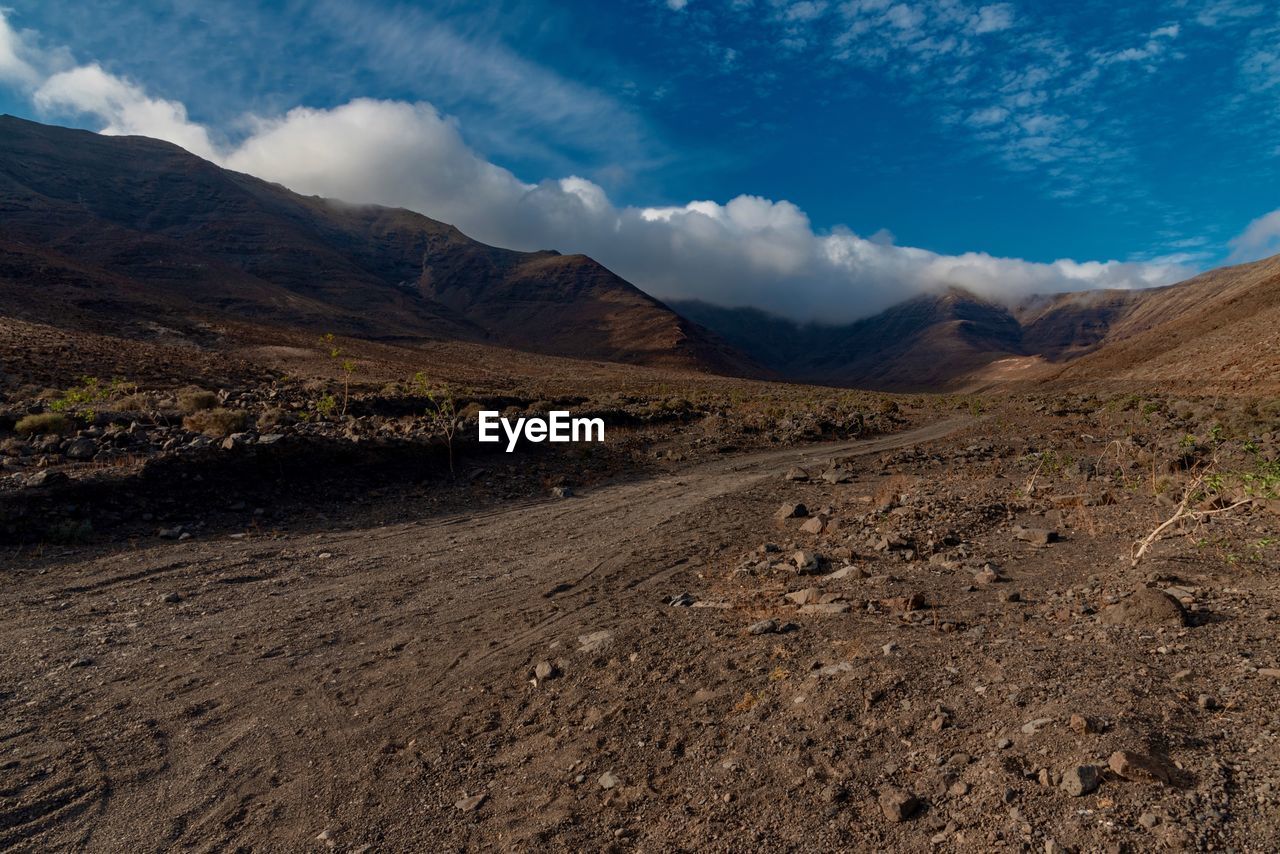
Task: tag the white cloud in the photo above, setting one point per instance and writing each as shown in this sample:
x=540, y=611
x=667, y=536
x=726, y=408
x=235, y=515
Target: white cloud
x=992, y=19
x=677, y=5
x=124, y=106
x=14, y=67
x=1260, y=239
x=747, y=251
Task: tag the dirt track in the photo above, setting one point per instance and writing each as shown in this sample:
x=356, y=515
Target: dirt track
x=212, y=695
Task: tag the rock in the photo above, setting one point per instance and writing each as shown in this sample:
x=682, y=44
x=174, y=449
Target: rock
x=796, y=474
x=608, y=780
x=1082, y=725
x=792, y=511
x=837, y=474
x=846, y=572
x=1140, y=767
x=1010, y=596
x=472, y=803
x=1080, y=781
x=1206, y=702
x=562, y=492
x=988, y=575
x=1269, y=672
x=1004, y=743
x=1033, y=727
x=826, y=608
x=683, y=600
x=1035, y=536
x=171, y=598
x=807, y=596
x=763, y=627
x=814, y=525
x=806, y=562
x=170, y=533
x=595, y=641
x=905, y=604
x=1145, y=607
x=898, y=804
x=544, y=670
x=81, y=449
x=46, y=478
x=1148, y=820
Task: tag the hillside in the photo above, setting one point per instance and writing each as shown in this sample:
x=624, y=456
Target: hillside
x=1216, y=333
x=126, y=234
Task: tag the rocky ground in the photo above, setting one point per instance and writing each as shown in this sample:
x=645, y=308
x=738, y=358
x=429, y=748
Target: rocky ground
x=931, y=638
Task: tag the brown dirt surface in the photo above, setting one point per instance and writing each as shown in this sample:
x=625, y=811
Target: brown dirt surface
x=620, y=670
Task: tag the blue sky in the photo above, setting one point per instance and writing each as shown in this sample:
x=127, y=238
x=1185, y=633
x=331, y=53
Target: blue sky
x=971, y=132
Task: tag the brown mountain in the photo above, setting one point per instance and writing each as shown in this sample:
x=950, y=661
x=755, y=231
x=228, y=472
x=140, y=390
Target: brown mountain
x=121, y=234
x=1216, y=333
x=929, y=342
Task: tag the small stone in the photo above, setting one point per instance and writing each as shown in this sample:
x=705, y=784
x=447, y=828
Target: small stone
x=1010, y=596
x=826, y=609
x=764, y=627
x=325, y=555
x=792, y=511
x=807, y=596
x=544, y=670
x=171, y=598
x=1206, y=702
x=683, y=600
x=806, y=562
x=1082, y=725
x=898, y=804
x=81, y=449
x=958, y=789
x=1080, y=780
x=608, y=780
x=1004, y=743
x=1148, y=820
x=837, y=475
x=1032, y=727
x=814, y=525
x=1035, y=536
x=562, y=492
x=472, y=803
x=1270, y=672
x=1139, y=766
x=797, y=474
x=988, y=575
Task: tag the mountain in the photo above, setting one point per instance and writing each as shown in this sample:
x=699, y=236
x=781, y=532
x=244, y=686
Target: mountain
x=120, y=234
x=929, y=342
x=1216, y=333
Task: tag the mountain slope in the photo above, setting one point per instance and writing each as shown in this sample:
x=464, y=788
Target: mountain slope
x=1216, y=333
x=115, y=233
x=929, y=342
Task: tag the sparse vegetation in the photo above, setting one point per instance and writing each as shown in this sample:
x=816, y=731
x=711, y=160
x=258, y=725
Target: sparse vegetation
x=192, y=401
x=346, y=365
x=44, y=423
x=216, y=423
x=442, y=412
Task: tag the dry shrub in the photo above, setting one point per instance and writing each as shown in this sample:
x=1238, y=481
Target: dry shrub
x=137, y=402
x=196, y=400
x=216, y=423
x=273, y=417
x=48, y=422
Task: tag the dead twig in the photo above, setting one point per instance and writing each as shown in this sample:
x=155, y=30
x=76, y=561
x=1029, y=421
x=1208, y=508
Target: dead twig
x=1181, y=513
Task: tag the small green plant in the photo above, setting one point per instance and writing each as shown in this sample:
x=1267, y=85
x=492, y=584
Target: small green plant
x=80, y=400
x=324, y=406
x=346, y=365
x=442, y=411
x=48, y=422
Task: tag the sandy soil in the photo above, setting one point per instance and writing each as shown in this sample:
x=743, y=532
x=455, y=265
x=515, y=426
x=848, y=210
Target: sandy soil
x=381, y=689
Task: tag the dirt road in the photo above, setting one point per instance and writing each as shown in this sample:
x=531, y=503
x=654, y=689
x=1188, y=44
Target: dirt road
x=347, y=690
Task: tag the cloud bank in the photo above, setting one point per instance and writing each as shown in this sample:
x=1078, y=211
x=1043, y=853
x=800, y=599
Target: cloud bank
x=749, y=251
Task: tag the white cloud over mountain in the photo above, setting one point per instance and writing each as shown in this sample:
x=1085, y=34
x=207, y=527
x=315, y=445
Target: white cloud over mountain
x=747, y=251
